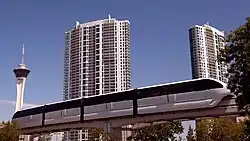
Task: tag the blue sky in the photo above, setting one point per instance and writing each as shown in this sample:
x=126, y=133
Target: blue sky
x=159, y=39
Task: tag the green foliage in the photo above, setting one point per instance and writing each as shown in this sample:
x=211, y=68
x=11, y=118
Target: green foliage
x=247, y=129
x=46, y=137
x=190, y=135
x=219, y=129
x=9, y=131
x=159, y=132
x=237, y=55
x=96, y=134
x=180, y=138
x=64, y=137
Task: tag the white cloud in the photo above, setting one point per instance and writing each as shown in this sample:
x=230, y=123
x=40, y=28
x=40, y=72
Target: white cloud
x=7, y=108
x=13, y=103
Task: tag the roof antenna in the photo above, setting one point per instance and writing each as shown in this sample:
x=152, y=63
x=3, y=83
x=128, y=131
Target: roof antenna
x=109, y=17
x=23, y=55
x=77, y=23
x=207, y=23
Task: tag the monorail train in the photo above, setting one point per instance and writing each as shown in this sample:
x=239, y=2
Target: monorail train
x=183, y=95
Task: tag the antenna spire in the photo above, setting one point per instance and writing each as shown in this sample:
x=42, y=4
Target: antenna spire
x=207, y=23
x=23, y=55
x=109, y=17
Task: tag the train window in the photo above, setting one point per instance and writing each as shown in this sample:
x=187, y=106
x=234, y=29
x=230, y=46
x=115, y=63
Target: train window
x=30, y=117
x=197, y=85
x=28, y=112
x=64, y=105
x=115, y=97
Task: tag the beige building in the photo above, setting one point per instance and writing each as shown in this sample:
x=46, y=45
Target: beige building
x=96, y=61
x=205, y=42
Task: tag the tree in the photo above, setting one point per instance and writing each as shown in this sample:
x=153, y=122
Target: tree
x=46, y=137
x=9, y=131
x=247, y=129
x=64, y=137
x=219, y=129
x=97, y=134
x=237, y=54
x=190, y=135
x=160, y=132
x=202, y=129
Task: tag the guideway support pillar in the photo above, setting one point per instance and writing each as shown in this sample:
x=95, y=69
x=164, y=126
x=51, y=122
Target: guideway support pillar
x=117, y=132
x=32, y=137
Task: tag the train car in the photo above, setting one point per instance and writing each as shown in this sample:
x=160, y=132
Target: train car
x=63, y=112
x=109, y=105
x=171, y=97
x=183, y=95
x=31, y=117
x=94, y=108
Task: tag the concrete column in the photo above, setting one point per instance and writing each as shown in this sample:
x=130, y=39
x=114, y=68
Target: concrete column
x=117, y=132
x=31, y=137
x=125, y=135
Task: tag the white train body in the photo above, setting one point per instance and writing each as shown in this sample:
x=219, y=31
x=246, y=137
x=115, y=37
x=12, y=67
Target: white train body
x=139, y=102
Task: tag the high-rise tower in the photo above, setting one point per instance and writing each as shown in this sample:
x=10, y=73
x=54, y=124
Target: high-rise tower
x=96, y=61
x=21, y=73
x=205, y=43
